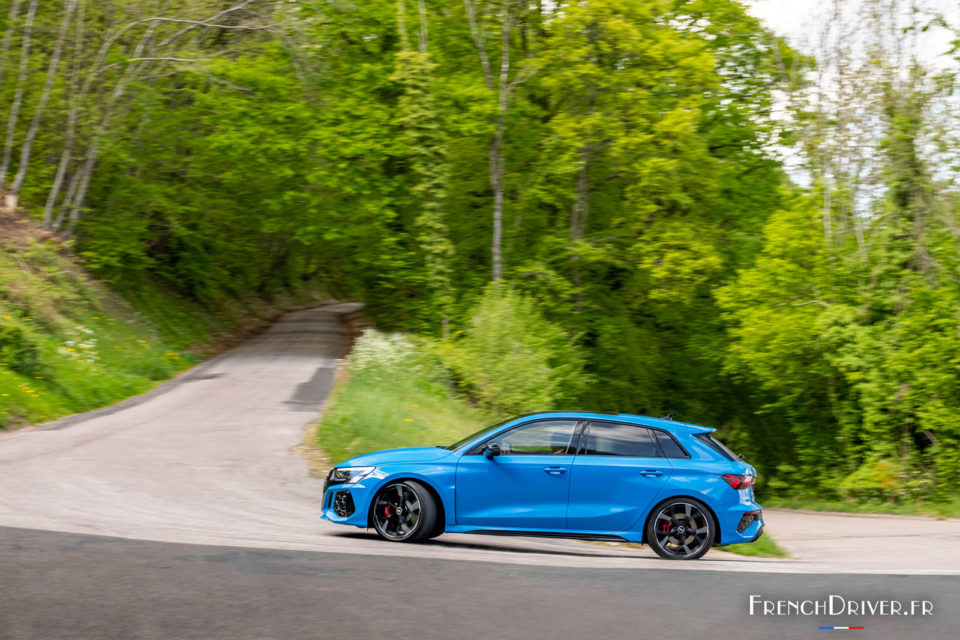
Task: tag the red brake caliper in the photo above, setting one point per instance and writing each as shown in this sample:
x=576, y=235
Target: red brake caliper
x=386, y=511
x=665, y=527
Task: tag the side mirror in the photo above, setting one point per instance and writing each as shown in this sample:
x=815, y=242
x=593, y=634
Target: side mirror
x=492, y=449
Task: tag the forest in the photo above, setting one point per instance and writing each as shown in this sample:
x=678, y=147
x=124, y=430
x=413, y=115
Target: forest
x=645, y=206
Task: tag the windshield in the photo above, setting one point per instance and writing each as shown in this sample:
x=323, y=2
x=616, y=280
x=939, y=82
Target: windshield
x=474, y=436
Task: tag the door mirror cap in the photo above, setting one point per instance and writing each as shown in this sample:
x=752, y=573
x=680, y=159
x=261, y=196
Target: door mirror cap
x=492, y=449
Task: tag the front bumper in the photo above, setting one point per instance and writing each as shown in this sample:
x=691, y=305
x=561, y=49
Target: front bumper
x=347, y=504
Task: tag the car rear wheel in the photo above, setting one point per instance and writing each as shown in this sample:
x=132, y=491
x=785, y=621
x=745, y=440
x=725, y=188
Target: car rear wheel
x=404, y=512
x=680, y=529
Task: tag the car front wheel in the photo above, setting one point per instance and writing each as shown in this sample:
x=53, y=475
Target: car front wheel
x=404, y=512
x=680, y=529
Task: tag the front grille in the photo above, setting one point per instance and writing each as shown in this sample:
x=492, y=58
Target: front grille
x=748, y=519
x=343, y=504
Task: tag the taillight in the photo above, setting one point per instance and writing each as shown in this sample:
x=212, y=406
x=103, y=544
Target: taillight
x=739, y=482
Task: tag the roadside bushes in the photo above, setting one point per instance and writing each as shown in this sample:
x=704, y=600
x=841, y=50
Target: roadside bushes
x=406, y=390
x=67, y=343
x=510, y=359
x=398, y=394
x=17, y=351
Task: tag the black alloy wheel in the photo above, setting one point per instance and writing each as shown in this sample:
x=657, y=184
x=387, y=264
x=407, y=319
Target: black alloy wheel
x=681, y=529
x=404, y=512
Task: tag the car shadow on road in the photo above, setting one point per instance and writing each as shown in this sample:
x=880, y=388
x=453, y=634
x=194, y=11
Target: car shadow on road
x=547, y=546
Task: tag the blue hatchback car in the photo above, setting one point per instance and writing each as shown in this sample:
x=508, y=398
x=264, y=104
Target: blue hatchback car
x=662, y=482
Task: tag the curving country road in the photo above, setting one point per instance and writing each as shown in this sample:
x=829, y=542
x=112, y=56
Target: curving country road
x=207, y=460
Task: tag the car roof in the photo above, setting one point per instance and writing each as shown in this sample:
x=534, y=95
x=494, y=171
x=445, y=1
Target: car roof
x=662, y=423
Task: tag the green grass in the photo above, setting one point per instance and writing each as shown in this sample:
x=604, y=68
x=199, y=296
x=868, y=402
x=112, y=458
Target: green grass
x=369, y=413
x=69, y=344
x=765, y=547
x=950, y=509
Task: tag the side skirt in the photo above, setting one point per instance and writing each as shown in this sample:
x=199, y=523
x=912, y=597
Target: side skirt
x=549, y=534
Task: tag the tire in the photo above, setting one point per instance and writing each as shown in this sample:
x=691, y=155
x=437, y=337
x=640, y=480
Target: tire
x=680, y=529
x=438, y=529
x=404, y=511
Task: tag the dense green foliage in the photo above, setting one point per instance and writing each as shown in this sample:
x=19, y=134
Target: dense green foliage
x=511, y=360
x=67, y=345
x=397, y=395
x=616, y=161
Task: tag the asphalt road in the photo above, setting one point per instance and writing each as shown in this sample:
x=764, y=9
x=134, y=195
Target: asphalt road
x=56, y=585
x=208, y=460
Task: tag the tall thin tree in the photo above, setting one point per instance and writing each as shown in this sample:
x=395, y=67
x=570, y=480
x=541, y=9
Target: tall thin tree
x=7, y=36
x=66, y=156
x=18, y=92
x=70, y=10
x=504, y=87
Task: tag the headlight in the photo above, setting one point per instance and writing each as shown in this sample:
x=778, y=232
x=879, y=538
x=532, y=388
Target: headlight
x=344, y=475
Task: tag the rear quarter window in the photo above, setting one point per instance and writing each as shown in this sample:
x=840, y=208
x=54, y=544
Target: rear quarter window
x=716, y=445
x=670, y=447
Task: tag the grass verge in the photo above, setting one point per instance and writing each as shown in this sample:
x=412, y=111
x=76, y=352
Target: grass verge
x=370, y=413
x=950, y=509
x=765, y=547
x=69, y=344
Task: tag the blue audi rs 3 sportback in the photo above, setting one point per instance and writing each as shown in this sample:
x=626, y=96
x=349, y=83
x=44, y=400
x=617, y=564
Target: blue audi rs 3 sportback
x=665, y=483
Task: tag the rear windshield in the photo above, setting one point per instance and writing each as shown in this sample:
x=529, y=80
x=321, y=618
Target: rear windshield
x=717, y=446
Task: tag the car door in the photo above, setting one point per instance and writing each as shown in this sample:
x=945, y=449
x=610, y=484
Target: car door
x=526, y=486
x=616, y=476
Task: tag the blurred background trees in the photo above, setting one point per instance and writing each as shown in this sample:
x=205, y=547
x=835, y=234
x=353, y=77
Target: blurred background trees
x=682, y=213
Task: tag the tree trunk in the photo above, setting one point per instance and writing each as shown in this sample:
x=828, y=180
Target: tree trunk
x=79, y=182
x=93, y=150
x=497, y=173
x=5, y=46
x=42, y=104
x=578, y=219
x=479, y=42
x=422, y=7
x=66, y=157
x=496, y=162
x=402, y=25
x=18, y=93
x=496, y=183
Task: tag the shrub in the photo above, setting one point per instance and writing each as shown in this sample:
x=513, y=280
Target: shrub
x=17, y=351
x=510, y=359
x=381, y=355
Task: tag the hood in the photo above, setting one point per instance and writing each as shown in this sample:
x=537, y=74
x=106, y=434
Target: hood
x=393, y=456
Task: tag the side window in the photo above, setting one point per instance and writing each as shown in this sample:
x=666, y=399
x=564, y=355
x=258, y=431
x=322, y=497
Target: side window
x=546, y=437
x=618, y=439
x=669, y=446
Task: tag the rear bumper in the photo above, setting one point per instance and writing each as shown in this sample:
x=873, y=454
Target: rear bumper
x=744, y=523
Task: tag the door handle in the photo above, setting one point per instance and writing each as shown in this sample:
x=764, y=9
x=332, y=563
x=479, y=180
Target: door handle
x=651, y=472
x=555, y=470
